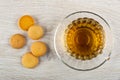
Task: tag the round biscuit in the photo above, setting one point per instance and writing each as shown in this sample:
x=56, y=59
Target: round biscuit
x=35, y=32
x=29, y=60
x=17, y=41
x=38, y=48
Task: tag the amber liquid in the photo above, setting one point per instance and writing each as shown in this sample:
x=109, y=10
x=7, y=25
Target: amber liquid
x=84, y=38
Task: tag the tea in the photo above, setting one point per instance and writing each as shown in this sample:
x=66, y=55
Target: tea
x=84, y=38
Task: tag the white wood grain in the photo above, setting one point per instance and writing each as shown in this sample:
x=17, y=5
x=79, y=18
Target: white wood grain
x=48, y=13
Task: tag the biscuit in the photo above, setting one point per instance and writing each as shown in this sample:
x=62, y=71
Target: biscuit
x=26, y=22
x=29, y=60
x=17, y=41
x=38, y=48
x=35, y=32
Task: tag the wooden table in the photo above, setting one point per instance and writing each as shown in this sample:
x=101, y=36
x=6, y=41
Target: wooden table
x=48, y=13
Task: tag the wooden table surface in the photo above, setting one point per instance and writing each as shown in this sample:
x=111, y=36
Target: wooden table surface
x=48, y=13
